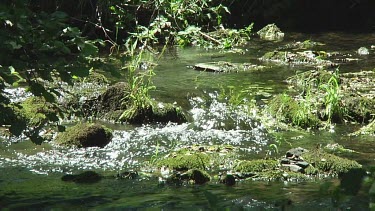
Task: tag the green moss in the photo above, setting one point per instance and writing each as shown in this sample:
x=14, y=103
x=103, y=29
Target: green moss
x=255, y=166
x=198, y=176
x=361, y=109
x=97, y=78
x=36, y=111
x=296, y=112
x=183, y=160
x=155, y=112
x=85, y=135
x=366, y=130
x=328, y=163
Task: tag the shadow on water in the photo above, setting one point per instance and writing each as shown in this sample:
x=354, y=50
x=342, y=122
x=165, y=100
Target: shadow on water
x=31, y=177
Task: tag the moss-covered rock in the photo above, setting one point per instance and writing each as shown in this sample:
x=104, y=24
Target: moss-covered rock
x=301, y=113
x=227, y=67
x=366, y=130
x=86, y=177
x=305, y=58
x=30, y=117
x=184, y=160
x=114, y=98
x=256, y=166
x=37, y=112
x=85, y=135
x=360, y=109
x=156, y=112
x=271, y=32
x=329, y=164
x=307, y=44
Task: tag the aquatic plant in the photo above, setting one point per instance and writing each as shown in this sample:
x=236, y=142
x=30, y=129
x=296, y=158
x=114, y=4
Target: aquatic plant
x=299, y=112
x=334, y=110
x=138, y=99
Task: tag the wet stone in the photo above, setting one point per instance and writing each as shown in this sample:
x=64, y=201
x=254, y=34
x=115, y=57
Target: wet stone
x=271, y=33
x=285, y=161
x=302, y=164
x=363, y=51
x=296, y=152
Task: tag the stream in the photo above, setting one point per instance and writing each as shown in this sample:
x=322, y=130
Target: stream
x=30, y=175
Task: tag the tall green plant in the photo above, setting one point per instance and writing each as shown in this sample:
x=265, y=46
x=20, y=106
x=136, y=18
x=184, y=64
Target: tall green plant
x=138, y=99
x=332, y=98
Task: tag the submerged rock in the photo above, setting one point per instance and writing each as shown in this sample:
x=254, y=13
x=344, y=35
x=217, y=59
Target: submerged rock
x=354, y=96
x=271, y=32
x=366, y=130
x=85, y=135
x=363, y=51
x=116, y=104
x=227, y=67
x=86, y=177
x=297, y=164
x=194, y=163
x=307, y=44
x=155, y=112
x=306, y=58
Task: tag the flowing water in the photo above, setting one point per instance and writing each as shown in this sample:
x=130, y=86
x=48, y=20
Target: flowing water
x=30, y=175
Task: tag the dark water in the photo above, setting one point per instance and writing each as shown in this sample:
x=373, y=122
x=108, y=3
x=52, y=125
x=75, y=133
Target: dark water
x=30, y=176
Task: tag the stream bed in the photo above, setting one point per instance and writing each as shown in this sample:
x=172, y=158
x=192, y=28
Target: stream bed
x=30, y=175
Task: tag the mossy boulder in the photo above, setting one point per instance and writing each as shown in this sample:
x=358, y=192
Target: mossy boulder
x=114, y=98
x=85, y=135
x=366, y=130
x=86, y=177
x=184, y=160
x=307, y=44
x=195, y=163
x=298, y=164
x=115, y=104
x=254, y=166
x=289, y=110
x=192, y=176
x=227, y=67
x=329, y=164
x=360, y=109
x=30, y=117
x=305, y=58
x=271, y=32
x=156, y=112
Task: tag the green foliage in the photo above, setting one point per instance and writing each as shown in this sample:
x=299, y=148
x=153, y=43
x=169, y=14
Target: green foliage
x=332, y=99
x=38, y=48
x=300, y=112
x=138, y=99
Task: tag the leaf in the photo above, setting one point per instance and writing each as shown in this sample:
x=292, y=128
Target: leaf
x=36, y=139
x=80, y=72
x=14, y=45
x=52, y=117
x=89, y=49
x=48, y=96
x=61, y=128
x=59, y=15
x=36, y=88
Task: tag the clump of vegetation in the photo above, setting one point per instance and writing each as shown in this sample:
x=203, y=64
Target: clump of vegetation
x=256, y=166
x=30, y=117
x=366, y=130
x=192, y=176
x=301, y=113
x=334, y=109
x=184, y=160
x=85, y=135
x=329, y=163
